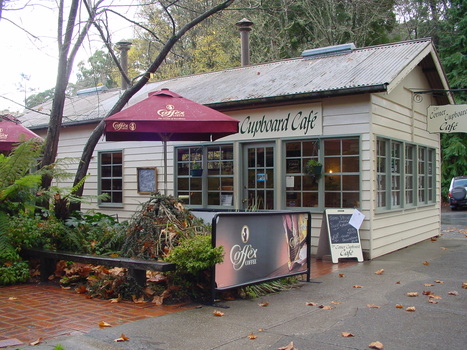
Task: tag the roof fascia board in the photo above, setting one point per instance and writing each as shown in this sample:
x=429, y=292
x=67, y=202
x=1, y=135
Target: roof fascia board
x=296, y=98
x=410, y=66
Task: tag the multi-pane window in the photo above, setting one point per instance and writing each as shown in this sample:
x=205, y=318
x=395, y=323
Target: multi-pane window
x=111, y=177
x=409, y=174
x=342, y=173
x=190, y=185
x=301, y=189
x=341, y=180
x=220, y=175
x=381, y=166
x=217, y=176
x=410, y=184
x=396, y=171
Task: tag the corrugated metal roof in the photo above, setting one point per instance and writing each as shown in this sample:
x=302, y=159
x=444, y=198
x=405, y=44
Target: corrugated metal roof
x=375, y=66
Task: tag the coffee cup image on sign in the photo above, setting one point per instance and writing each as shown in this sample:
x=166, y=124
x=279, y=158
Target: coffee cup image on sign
x=295, y=235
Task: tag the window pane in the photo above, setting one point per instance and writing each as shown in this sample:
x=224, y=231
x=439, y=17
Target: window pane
x=332, y=147
x=350, y=182
x=332, y=164
x=350, y=200
x=351, y=164
x=332, y=199
x=310, y=199
x=350, y=146
x=111, y=176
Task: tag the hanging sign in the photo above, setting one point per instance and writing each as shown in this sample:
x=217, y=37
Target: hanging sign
x=447, y=119
x=339, y=235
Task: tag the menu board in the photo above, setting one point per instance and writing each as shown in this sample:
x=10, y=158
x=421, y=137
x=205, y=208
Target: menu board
x=338, y=237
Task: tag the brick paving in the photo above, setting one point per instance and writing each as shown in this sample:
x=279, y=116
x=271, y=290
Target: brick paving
x=32, y=311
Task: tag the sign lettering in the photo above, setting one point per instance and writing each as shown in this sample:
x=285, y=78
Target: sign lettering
x=447, y=119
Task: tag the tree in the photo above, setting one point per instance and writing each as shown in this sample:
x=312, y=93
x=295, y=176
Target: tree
x=178, y=31
x=98, y=70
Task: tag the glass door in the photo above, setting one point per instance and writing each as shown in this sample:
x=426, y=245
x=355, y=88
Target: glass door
x=259, y=177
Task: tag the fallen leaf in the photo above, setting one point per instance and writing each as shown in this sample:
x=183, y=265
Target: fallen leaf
x=252, y=336
x=379, y=272
x=438, y=281
x=434, y=239
x=399, y=306
x=373, y=306
x=12, y=298
x=36, y=342
x=412, y=294
x=218, y=313
x=336, y=302
x=410, y=308
x=464, y=285
x=63, y=287
x=376, y=345
x=260, y=330
x=453, y=292
x=264, y=304
x=123, y=337
x=398, y=282
x=310, y=303
x=347, y=335
x=158, y=300
x=432, y=301
x=426, y=263
x=428, y=284
x=115, y=300
x=288, y=347
x=357, y=286
x=443, y=248
x=434, y=297
x=138, y=300
x=341, y=275
x=427, y=292
x=103, y=324
x=81, y=289
x=326, y=307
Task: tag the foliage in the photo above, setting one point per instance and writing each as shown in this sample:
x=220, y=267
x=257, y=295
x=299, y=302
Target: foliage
x=157, y=228
x=195, y=257
x=12, y=268
x=264, y=288
x=17, y=185
x=454, y=159
x=98, y=70
x=94, y=233
x=39, y=98
x=195, y=254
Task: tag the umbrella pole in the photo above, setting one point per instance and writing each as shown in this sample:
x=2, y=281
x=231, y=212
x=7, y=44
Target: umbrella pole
x=165, y=167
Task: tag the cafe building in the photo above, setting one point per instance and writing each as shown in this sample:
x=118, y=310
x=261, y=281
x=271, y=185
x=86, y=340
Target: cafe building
x=361, y=113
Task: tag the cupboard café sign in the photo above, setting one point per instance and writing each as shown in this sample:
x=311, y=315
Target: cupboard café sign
x=298, y=120
x=447, y=119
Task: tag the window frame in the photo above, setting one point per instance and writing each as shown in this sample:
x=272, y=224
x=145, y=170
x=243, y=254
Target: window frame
x=101, y=177
x=422, y=177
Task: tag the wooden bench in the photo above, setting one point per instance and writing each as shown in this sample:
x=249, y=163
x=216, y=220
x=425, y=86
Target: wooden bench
x=136, y=267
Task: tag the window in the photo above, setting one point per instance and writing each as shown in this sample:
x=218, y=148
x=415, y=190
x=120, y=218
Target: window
x=411, y=184
x=342, y=173
x=341, y=180
x=396, y=171
x=217, y=164
x=111, y=177
x=301, y=189
x=409, y=174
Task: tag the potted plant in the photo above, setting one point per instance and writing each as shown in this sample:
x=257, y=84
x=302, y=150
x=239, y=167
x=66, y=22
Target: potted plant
x=196, y=169
x=313, y=168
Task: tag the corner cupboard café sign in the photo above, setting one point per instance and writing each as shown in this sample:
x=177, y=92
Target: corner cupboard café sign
x=447, y=119
x=296, y=121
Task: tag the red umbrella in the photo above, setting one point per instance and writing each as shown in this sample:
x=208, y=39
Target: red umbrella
x=12, y=132
x=166, y=116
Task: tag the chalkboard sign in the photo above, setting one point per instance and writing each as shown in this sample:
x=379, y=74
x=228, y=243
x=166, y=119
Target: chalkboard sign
x=340, y=230
x=338, y=237
x=146, y=180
